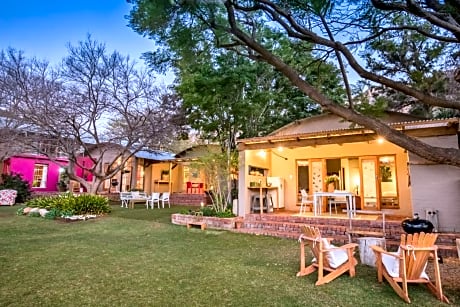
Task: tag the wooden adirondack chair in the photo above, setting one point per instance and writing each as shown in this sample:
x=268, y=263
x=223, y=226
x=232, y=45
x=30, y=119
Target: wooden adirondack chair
x=408, y=264
x=334, y=260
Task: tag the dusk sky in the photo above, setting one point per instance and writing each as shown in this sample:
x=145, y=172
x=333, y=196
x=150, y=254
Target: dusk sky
x=43, y=29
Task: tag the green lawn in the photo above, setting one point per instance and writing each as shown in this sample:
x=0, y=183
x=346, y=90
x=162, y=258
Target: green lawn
x=138, y=258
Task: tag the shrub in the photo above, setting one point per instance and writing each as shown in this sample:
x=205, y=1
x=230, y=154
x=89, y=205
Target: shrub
x=15, y=182
x=69, y=204
x=210, y=211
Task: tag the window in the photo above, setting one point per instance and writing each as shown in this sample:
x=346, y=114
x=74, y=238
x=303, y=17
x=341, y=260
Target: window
x=388, y=184
x=40, y=174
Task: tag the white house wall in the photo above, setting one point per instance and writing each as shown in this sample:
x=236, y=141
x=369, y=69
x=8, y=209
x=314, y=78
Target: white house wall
x=437, y=187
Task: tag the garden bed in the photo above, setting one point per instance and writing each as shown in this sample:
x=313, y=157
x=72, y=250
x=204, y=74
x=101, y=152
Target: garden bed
x=211, y=221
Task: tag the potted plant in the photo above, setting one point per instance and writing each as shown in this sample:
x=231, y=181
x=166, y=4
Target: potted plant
x=332, y=182
x=165, y=175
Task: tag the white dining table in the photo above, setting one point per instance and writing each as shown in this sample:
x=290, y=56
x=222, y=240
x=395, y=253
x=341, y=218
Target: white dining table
x=318, y=200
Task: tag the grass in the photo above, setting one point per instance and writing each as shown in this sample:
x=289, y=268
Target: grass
x=138, y=258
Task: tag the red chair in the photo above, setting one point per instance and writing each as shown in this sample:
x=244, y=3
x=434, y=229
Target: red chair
x=189, y=187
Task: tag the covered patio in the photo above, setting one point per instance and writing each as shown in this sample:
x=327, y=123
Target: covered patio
x=324, y=154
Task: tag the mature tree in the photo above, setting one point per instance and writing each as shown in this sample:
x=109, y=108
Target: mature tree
x=11, y=127
x=226, y=95
x=96, y=103
x=414, y=60
x=336, y=28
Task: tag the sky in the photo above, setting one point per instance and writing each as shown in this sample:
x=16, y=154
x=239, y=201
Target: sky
x=43, y=29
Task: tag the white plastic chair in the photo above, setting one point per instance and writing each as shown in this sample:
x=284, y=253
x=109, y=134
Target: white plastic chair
x=165, y=198
x=154, y=199
x=304, y=201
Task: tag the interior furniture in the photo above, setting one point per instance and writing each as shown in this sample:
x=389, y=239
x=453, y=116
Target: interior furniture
x=328, y=258
x=407, y=265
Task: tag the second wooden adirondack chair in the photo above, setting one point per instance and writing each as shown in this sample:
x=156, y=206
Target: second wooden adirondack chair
x=332, y=259
x=408, y=264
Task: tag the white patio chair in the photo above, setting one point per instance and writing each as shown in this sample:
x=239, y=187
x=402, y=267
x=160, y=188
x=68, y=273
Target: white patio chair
x=125, y=198
x=154, y=199
x=336, y=200
x=305, y=201
x=165, y=198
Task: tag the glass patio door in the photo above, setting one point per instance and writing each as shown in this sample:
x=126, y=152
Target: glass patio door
x=369, y=183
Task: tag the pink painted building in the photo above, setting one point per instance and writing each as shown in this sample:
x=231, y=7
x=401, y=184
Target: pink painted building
x=42, y=173
x=86, y=162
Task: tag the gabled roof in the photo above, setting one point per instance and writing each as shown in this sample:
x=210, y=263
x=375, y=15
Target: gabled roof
x=330, y=129
x=197, y=151
x=330, y=122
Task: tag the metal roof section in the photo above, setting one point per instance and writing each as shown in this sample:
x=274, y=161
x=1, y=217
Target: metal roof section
x=155, y=155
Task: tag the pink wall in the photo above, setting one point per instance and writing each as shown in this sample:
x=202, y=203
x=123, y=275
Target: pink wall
x=85, y=161
x=24, y=165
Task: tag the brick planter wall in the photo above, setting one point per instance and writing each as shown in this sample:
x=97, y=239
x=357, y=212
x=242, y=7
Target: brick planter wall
x=211, y=221
x=189, y=199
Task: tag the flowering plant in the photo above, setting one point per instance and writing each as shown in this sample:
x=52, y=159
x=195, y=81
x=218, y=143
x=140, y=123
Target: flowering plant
x=331, y=179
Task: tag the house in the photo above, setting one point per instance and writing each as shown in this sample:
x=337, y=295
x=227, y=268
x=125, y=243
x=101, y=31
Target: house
x=178, y=174
x=383, y=176
x=42, y=173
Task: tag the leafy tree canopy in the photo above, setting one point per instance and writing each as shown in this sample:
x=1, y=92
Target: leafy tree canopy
x=338, y=30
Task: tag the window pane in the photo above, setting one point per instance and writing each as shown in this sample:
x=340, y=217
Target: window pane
x=40, y=175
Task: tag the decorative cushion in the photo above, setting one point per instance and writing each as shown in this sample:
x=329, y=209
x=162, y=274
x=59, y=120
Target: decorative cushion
x=391, y=264
x=335, y=257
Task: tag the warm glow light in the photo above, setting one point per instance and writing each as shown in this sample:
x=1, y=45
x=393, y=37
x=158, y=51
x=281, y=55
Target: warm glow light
x=262, y=154
x=61, y=170
x=356, y=183
x=356, y=180
x=280, y=149
x=380, y=140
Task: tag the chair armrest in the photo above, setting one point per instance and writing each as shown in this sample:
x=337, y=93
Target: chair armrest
x=379, y=249
x=344, y=247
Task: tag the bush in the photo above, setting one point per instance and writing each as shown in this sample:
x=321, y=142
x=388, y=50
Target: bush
x=208, y=211
x=68, y=204
x=15, y=182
